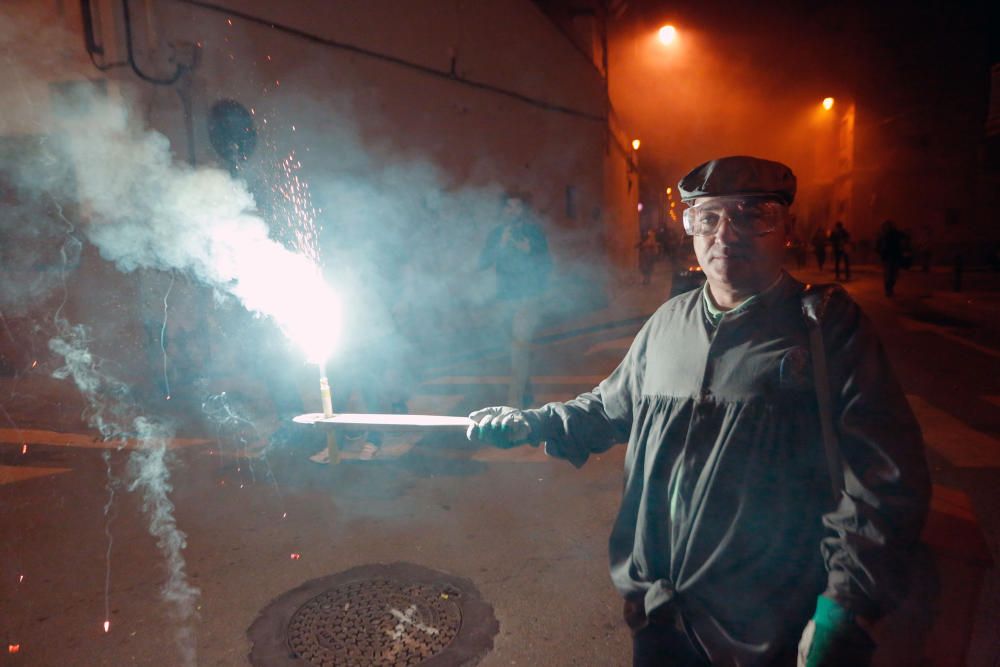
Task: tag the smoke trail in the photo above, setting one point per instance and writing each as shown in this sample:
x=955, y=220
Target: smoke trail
x=114, y=415
x=149, y=474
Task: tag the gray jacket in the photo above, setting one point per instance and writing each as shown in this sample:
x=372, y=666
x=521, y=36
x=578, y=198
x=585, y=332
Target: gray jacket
x=726, y=517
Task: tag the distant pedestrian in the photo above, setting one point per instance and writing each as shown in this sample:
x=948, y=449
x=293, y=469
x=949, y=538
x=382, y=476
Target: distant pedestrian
x=923, y=243
x=664, y=240
x=889, y=246
x=519, y=252
x=796, y=247
x=819, y=247
x=649, y=250
x=839, y=241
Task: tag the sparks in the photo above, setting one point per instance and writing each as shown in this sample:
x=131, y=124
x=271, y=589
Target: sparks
x=24, y=448
x=20, y=578
x=34, y=363
x=107, y=626
x=13, y=648
x=229, y=21
x=296, y=556
x=297, y=213
x=284, y=515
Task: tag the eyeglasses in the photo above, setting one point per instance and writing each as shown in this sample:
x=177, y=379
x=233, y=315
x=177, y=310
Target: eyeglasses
x=747, y=216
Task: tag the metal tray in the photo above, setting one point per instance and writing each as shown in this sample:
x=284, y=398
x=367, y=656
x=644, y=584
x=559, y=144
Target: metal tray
x=385, y=422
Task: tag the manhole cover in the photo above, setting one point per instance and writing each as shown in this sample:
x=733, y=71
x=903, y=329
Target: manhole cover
x=375, y=615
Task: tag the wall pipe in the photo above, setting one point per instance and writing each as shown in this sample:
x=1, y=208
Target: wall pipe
x=424, y=69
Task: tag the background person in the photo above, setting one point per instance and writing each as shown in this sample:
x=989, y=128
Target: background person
x=519, y=253
x=819, y=247
x=649, y=252
x=727, y=547
x=889, y=246
x=839, y=240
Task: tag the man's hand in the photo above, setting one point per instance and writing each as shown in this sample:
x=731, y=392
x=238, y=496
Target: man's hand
x=500, y=426
x=832, y=638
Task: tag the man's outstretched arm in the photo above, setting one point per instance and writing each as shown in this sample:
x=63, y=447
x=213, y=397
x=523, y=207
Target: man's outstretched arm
x=592, y=422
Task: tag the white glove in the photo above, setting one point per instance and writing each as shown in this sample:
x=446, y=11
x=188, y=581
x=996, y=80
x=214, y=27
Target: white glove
x=501, y=426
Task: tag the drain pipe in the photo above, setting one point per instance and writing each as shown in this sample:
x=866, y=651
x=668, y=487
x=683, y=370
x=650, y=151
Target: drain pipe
x=130, y=54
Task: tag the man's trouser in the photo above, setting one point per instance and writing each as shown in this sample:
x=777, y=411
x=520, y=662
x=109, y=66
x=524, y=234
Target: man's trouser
x=891, y=274
x=524, y=323
x=664, y=641
x=660, y=641
x=838, y=257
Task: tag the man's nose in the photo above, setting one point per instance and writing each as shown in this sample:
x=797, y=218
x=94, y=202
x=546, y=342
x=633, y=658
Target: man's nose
x=726, y=232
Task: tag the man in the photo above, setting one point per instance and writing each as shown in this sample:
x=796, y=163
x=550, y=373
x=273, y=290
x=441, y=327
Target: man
x=727, y=540
x=819, y=247
x=518, y=250
x=889, y=246
x=839, y=238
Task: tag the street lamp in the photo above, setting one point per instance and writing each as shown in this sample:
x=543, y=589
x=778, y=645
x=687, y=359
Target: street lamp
x=828, y=103
x=667, y=35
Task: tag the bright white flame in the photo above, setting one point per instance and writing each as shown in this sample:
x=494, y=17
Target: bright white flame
x=287, y=286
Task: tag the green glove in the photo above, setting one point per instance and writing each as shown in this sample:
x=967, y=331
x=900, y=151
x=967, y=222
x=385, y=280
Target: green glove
x=833, y=639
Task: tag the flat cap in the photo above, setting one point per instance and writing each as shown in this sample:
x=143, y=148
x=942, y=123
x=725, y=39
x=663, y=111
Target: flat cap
x=739, y=175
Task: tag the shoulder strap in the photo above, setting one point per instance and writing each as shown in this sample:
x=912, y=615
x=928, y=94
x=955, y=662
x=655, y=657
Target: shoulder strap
x=814, y=302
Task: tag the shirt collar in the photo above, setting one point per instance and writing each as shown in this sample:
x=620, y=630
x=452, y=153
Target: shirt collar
x=715, y=314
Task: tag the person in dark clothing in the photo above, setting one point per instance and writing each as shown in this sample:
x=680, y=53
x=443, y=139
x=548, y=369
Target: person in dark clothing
x=819, y=247
x=839, y=239
x=889, y=246
x=649, y=251
x=727, y=539
x=519, y=252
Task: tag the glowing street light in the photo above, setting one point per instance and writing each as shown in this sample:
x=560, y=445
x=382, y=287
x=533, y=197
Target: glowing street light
x=828, y=103
x=667, y=35
x=635, y=144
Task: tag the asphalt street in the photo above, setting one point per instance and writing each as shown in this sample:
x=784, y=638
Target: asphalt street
x=529, y=532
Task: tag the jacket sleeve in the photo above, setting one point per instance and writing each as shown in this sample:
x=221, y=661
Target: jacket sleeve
x=594, y=421
x=886, y=482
